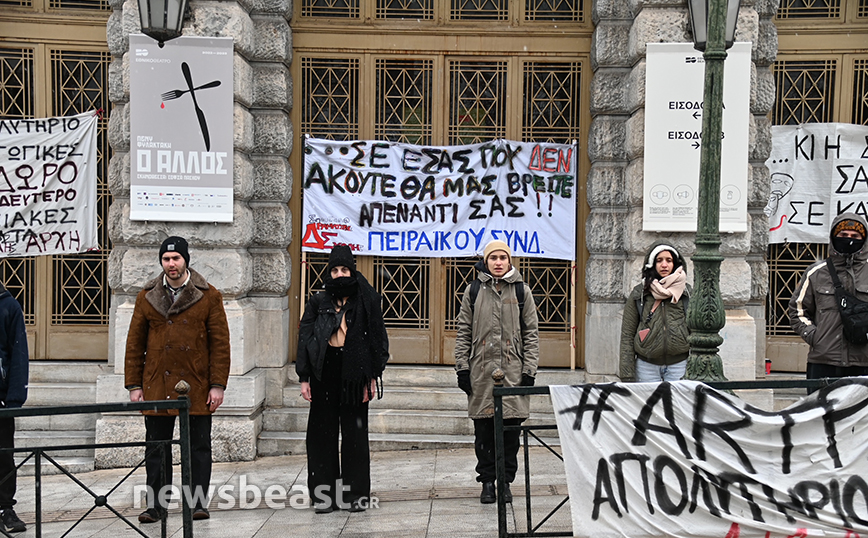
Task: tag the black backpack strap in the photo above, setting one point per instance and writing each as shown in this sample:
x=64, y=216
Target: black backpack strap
x=685, y=299
x=474, y=293
x=833, y=273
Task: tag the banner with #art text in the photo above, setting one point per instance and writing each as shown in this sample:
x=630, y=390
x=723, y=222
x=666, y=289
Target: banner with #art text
x=683, y=460
x=48, y=182
x=394, y=199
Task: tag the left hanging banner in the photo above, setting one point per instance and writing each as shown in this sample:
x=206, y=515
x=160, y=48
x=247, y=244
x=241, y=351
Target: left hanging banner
x=48, y=176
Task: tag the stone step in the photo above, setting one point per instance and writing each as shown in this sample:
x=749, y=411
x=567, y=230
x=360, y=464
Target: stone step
x=283, y=443
x=60, y=394
x=67, y=371
x=444, y=376
x=404, y=397
x=73, y=465
x=395, y=421
x=57, y=422
x=33, y=439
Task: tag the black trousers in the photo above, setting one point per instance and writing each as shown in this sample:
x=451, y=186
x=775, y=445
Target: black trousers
x=483, y=428
x=328, y=417
x=159, y=428
x=7, y=463
x=819, y=371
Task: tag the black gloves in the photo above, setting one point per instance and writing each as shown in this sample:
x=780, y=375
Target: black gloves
x=464, y=382
x=527, y=380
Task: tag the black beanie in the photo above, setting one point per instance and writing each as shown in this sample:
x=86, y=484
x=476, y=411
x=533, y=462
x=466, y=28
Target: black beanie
x=341, y=255
x=175, y=244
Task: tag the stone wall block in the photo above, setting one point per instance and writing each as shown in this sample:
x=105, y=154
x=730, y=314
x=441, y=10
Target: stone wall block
x=114, y=270
x=607, y=138
x=116, y=91
x=244, y=124
x=762, y=90
x=198, y=234
x=243, y=176
x=604, y=231
x=242, y=80
x=115, y=36
x=766, y=8
x=636, y=87
x=639, y=241
x=229, y=270
x=271, y=85
x=760, y=147
x=609, y=44
x=635, y=135
x=119, y=174
x=759, y=279
x=609, y=90
x=664, y=25
x=759, y=232
x=758, y=186
x=736, y=244
x=734, y=282
x=116, y=4
x=272, y=271
x=765, y=49
x=747, y=25
x=634, y=182
x=272, y=179
x=272, y=224
x=273, y=39
x=118, y=128
x=272, y=132
x=222, y=19
x=606, y=186
x=276, y=7
x=610, y=10
x=605, y=279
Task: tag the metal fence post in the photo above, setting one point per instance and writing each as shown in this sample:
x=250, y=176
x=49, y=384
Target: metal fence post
x=182, y=388
x=499, y=461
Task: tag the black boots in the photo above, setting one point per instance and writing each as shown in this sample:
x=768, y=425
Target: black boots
x=489, y=494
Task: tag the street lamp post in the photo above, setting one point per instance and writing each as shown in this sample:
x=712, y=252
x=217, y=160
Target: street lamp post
x=713, y=23
x=162, y=19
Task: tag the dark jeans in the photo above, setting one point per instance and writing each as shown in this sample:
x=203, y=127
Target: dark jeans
x=819, y=371
x=483, y=428
x=328, y=417
x=159, y=428
x=7, y=463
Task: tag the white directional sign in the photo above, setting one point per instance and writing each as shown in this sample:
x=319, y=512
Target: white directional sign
x=675, y=74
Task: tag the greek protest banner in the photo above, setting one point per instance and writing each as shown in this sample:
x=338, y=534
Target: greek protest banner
x=683, y=460
x=48, y=176
x=391, y=199
x=818, y=171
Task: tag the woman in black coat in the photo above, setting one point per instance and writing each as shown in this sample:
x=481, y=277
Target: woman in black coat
x=342, y=351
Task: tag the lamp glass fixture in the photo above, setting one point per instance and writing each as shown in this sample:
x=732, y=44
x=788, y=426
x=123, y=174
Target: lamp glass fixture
x=162, y=19
x=699, y=21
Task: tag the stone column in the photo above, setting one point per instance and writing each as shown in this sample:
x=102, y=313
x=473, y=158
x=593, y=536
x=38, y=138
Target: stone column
x=614, y=235
x=247, y=260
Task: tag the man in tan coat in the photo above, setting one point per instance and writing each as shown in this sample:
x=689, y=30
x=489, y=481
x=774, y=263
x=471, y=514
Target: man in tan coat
x=497, y=328
x=178, y=332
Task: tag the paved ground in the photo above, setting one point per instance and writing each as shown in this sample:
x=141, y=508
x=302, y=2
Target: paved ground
x=421, y=493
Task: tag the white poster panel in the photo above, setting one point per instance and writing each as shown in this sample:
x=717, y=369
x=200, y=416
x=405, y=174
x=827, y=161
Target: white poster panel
x=392, y=199
x=674, y=81
x=48, y=177
x=818, y=171
x=682, y=460
x=181, y=129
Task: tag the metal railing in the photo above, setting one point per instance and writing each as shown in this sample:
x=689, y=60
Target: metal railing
x=182, y=405
x=527, y=430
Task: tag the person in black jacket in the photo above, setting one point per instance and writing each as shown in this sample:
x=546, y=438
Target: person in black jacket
x=14, y=369
x=342, y=351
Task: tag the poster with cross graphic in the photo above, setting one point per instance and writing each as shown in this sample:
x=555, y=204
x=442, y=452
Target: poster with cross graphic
x=181, y=129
